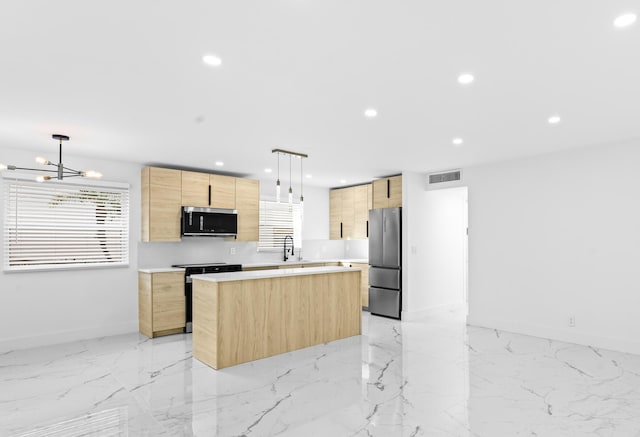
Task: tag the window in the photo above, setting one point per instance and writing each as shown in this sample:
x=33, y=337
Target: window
x=56, y=225
x=278, y=220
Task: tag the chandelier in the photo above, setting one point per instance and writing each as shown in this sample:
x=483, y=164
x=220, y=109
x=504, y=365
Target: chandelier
x=60, y=172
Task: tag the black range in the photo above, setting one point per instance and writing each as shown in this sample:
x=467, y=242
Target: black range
x=198, y=269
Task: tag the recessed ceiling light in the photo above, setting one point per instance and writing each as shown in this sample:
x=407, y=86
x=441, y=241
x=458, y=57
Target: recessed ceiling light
x=267, y=170
x=554, y=119
x=625, y=20
x=342, y=181
x=457, y=141
x=212, y=60
x=309, y=176
x=370, y=112
x=219, y=163
x=466, y=78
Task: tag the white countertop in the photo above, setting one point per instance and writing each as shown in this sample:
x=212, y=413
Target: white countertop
x=263, y=264
x=274, y=273
x=161, y=270
x=305, y=261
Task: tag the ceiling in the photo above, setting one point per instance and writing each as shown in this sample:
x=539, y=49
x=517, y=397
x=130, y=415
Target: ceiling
x=126, y=80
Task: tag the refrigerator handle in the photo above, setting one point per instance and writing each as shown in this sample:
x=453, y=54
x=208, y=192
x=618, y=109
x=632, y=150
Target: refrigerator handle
x=388, y=188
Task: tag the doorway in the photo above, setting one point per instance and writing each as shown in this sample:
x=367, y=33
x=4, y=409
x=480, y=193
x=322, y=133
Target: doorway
x=443, y=258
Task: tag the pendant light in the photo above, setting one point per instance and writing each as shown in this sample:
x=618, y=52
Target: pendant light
x=291, y=154
x=61, y=171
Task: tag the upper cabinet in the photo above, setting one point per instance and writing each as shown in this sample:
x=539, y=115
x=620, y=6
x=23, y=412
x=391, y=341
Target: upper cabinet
x=223, y=191
x=247, y=202
x=196, y=190
x=387, y=192
x=349, y=213
x=335, y=214
x=361, y=212
x=161, y=201
x=165, y=191
x=208, y=190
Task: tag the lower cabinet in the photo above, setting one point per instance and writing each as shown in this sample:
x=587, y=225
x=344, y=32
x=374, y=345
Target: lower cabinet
x=161, y=303
x=364, y=282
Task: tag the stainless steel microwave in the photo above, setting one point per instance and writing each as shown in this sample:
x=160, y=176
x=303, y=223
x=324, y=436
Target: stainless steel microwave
x=209, y=222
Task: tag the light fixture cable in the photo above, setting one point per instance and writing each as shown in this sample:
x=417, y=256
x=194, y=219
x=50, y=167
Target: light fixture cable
x=278, y=181
x=301, y=192
x=290, y=189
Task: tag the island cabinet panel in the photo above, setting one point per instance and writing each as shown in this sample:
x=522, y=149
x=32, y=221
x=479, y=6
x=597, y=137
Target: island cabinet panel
x=205, y=310
x=258, y=318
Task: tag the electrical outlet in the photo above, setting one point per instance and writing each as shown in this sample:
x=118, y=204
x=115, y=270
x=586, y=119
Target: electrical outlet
x=572, y=321
x=232, y=251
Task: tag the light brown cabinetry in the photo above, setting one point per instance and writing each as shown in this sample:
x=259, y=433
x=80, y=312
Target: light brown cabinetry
x=161, y=303
x=208, y=190
x=247, y=192
x=165, y=191
x=335, y=215
x=278, y=315
x=195, y=189
x=349, y=213
x=387, y=192
x=364, y=282
x=161, y=193
x=223, y=191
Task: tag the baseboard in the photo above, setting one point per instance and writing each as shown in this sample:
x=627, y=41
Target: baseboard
x=411, y=316
x=52, y=338
x=569, y=335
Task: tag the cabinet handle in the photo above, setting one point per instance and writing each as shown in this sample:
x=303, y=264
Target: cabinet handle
x=388, y=188
x=367, y=228
x=209, y=195
x=340, y=229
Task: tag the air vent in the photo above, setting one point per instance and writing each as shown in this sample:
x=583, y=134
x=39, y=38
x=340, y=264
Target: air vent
x=449, y=176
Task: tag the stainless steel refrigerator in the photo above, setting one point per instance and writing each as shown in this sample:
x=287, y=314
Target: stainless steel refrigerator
x=385, y=262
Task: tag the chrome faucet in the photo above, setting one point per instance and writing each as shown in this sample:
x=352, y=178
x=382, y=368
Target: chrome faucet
x=284, y=247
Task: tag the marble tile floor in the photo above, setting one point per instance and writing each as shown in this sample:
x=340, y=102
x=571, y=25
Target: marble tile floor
x=435, y=377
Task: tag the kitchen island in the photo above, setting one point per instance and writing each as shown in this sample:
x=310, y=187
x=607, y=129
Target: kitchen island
x=244, y=316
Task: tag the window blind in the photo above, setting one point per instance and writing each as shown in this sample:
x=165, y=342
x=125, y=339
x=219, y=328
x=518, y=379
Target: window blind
x=277, y=220
x=56, y=225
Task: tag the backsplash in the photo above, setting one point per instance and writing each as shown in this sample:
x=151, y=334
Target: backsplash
x=207, y=249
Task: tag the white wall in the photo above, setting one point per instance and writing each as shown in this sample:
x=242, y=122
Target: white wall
x=434, y=231
x=555, y=236
x=53, y=307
